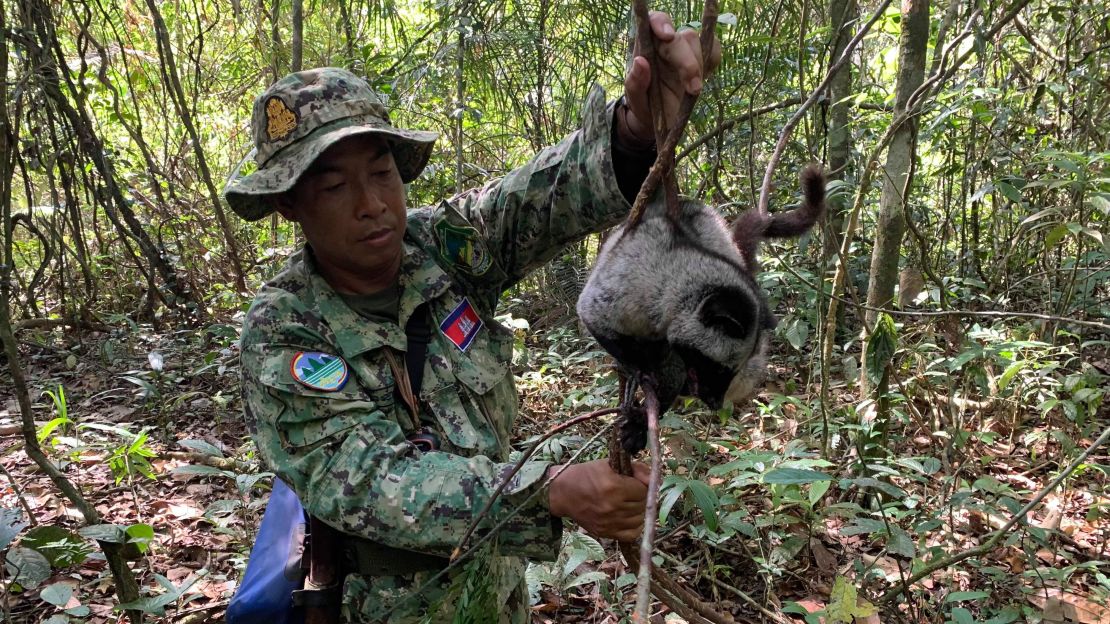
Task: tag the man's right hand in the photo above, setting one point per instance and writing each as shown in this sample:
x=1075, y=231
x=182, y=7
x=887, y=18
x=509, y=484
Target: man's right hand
x=601, y=501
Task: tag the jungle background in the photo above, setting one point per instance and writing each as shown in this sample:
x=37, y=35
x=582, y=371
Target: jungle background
x=928, y=447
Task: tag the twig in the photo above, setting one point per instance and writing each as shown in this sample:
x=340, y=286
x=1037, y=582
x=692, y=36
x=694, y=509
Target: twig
x=732, y=123
x=788, y=129
x=997, y=535
x=651, y=515
x=517, y=468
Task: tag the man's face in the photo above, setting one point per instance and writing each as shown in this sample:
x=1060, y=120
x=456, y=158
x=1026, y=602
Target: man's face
x=351, y=207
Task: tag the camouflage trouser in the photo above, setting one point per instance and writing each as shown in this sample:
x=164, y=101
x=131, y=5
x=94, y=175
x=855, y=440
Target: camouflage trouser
x=453, y=599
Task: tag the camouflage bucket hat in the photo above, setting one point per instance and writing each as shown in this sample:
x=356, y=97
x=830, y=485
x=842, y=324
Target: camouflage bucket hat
x=302, y=115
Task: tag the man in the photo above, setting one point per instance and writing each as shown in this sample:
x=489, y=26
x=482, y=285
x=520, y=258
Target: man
x=330, y=400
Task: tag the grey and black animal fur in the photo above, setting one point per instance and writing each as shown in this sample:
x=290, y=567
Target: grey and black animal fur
x=676, y=301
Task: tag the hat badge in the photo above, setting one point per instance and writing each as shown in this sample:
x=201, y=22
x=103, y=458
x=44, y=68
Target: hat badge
x=280, y=121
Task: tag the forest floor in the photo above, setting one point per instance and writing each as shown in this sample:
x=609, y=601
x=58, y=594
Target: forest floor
x=154, y=436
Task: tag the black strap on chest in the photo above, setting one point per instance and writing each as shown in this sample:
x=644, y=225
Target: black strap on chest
x=419, y=333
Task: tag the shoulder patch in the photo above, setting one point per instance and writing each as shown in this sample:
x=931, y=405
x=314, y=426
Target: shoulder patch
x=461, y=325
x=463, y=247
x=319, y=371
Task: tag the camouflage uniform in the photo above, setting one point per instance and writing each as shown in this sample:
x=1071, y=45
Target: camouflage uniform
x=344, y=451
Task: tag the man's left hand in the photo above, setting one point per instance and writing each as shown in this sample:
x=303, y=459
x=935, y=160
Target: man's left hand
x=681, y=71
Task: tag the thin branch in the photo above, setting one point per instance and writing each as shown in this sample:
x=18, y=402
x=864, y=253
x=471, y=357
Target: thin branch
x=577, y=420
x=732, y=123
x=651, y=513
x=788, y=129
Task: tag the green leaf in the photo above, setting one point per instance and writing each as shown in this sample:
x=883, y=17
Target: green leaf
x=61, y=547
x=797, y=334
x=141, y=535
x=1009, y=192
x=111, y=533
x=27, y=567
x=794, y=476
x=881, y=347
x=961, y=615
x=845, y=604
x=202, y=447
x=584, y=578
x=11, y=523
x=706, y=500
x=57, y=594
x=967, y=595
x=900, y=542
x=860, y=526
x=207, y=471
x=1009, y=373
x=669, y=499
x=817, y=490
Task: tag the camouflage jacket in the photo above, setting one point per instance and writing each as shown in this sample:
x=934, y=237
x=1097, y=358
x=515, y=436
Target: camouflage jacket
x=345, y=452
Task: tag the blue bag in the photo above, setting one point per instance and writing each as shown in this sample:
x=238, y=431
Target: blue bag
x=265, y=594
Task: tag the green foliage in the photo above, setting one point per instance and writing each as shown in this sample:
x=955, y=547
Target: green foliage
x=562, y=574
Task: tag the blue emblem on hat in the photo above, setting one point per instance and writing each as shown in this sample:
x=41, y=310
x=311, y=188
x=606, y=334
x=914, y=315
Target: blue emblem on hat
x=319, y=371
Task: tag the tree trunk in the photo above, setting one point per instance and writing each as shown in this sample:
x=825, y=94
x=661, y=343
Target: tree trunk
x=348, y=35
x=39, y=19
x=297, y=61
x=843, y=15
x=177, y=95
x=898, y=171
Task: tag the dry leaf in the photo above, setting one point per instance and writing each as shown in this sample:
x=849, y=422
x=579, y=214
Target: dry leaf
x=826, y=560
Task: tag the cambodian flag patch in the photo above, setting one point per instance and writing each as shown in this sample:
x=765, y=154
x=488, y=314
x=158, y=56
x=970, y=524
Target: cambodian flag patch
x=461, y=325
x=319, y=371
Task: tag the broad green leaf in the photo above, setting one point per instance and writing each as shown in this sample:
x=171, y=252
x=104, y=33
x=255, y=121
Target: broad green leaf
x=961, y=615
x=584, y=578
x=27, y=567
x=887, y=488
x=200, y=446
x=794, y=476
x=61, y=547
x=208, y=471
x=797, y=334
x=112, y=533
x=669, y=499
x=706, y=500
x=141, y=535
x=1055, y=235
x=57, y=594
x=900, y=542
x=861, y=526
x=1009, y=192
x=966, y=595
x=817, y=489
x=1009, y=373
x=881, y=347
